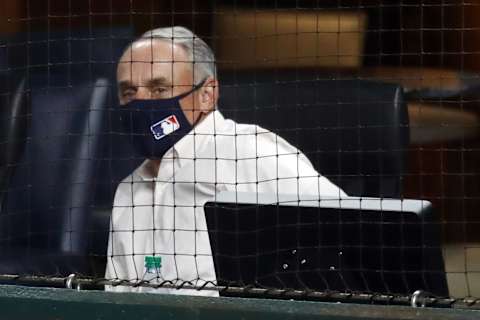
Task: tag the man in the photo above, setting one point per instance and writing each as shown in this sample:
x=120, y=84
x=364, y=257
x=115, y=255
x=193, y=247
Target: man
x=168, y=92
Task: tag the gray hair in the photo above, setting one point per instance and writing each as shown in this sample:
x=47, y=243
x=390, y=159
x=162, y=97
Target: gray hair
x=199, y=52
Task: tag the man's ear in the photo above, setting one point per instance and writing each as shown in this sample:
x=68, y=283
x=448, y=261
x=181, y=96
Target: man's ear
x=208, y=95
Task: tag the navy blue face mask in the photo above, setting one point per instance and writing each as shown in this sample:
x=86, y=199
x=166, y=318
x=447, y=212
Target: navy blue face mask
x=154, y=126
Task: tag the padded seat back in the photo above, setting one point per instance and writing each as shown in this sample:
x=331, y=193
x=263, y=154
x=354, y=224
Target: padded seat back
x=354, y=132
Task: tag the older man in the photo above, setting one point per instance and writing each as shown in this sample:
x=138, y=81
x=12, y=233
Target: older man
x=168, y=92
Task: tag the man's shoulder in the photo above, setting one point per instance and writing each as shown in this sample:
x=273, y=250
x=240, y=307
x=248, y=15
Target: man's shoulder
x=234, y=128
x=136, y=176
x=262, y=136
x=251, y=140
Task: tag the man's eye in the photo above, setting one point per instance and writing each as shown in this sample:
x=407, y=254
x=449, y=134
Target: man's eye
x=128, y=93
x=158, y=90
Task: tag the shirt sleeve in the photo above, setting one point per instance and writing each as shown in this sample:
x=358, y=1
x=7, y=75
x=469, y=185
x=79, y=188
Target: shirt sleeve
x=117, y=266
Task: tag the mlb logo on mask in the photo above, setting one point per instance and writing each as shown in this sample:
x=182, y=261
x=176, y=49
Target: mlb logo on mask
x=164, y=127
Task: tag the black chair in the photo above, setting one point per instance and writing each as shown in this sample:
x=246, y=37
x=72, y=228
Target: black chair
x=14, y=117
x=56, y=172
x=354, y=132
x=44, y=218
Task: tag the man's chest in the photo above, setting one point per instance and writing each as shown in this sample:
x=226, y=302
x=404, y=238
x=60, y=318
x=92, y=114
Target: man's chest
x=170, y=202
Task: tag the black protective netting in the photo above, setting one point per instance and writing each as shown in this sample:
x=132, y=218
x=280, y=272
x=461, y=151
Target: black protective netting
x=295, y=149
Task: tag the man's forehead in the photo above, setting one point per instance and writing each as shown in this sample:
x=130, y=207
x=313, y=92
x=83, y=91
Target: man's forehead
x=146, y=60
x=152, y=51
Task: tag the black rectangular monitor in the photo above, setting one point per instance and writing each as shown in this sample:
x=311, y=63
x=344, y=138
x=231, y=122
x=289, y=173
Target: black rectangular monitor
x=349, y=245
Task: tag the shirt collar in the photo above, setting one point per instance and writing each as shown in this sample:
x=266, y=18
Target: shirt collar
x=188, y=147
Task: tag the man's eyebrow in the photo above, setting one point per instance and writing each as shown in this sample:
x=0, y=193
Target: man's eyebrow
x=160, y=81
x=125, y=84
x=155, y=82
